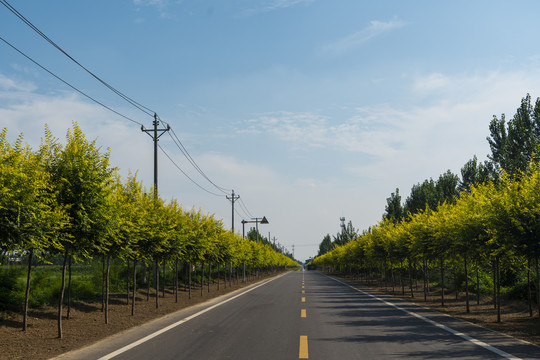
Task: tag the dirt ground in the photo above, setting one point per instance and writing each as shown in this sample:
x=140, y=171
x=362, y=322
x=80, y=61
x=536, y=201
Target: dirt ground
x=515, y=319
x=87, y=323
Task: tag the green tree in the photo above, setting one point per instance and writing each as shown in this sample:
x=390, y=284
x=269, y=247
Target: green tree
x=475, y=173
x=29, y=217
x=325, y=245
x=394, y=209
x=446, y=188
x=513, y=144
x=81, y=176
x=421, y=195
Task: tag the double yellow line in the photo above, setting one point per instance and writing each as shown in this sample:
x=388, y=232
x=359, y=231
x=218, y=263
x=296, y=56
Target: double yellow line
x=303, y=351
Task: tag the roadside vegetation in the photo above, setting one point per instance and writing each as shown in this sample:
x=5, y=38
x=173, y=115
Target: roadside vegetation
x=476, y=236
x=72, y=229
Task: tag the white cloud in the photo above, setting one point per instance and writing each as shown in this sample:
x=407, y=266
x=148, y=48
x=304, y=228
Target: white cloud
x=357, y=39
x=158, y=3
x=8, y=84
x=24, y=111
x=439, y=123
x=161, y=5
x=364, y=132
x=273, y=5
x=431, y=82
x=442, y=124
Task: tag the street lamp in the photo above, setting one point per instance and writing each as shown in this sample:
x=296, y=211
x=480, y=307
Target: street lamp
x=262, y=220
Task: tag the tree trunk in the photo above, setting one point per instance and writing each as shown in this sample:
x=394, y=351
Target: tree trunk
x=27, y=293
x=189, y=279
x=176, y=281
x=392, y=277
x=538, y=287
x=185, y=276
x=61, y=300
x=147, y=282
x=209, y=275
x=529, y=294
x=102, y=283
x=494, y=284
x=244, y=272
x=163, y=281
x=401, y=279
x=134, y=287
x=157, y=284
x=466, y=284
x=127, y=281
x=442, y=281
x=202, y=277
x=143, y=273
x=425, y=280
x=456, y=284
x=107, y=289
x=498, y=266
x=218, y=279
x=385, y=278
x=410, y=280
x=69, y=289
x=477, y=282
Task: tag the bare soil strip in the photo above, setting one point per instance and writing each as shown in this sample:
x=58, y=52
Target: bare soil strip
x=87, y=323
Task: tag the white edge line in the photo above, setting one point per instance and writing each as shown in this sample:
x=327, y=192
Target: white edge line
x=444, y=327
x=180, y=322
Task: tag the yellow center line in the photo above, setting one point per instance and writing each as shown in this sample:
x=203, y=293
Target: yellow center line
x=302, y=286
x=303, y=299
x=303, y=313
x=303, y=353
x=303, y=291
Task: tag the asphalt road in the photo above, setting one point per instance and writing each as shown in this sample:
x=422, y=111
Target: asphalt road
x=308, y=315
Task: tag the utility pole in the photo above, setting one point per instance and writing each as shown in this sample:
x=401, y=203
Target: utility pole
x=293, y=252
x=233, y=198
x=155, y=134
x=342, y=219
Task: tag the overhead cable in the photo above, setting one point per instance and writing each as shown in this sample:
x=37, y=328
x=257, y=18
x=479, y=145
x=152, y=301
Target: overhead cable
x=68, y=84
x=184, y=151
x=186, y=175
x=117, y=92
x=245, y=209
x=134, y=103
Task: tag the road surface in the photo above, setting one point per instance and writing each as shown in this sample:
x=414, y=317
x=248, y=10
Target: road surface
x=308, y=315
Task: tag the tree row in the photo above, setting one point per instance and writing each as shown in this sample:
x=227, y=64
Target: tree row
x=68, y=200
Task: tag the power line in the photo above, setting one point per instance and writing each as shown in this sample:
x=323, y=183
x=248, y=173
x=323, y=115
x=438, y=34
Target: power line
x=192, y=161
x=245, y=209
x=236, y=211
x=177, y=141
x=186, y=175
x=68, y=84
x=39, y=32
x=181, y=147
x=132, y=102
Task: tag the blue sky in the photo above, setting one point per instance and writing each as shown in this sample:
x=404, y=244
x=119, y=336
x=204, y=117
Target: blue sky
x=309, y=109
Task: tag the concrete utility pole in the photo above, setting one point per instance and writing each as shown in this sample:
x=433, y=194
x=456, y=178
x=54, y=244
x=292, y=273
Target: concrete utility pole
x=233, y=198
x=155, y=134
